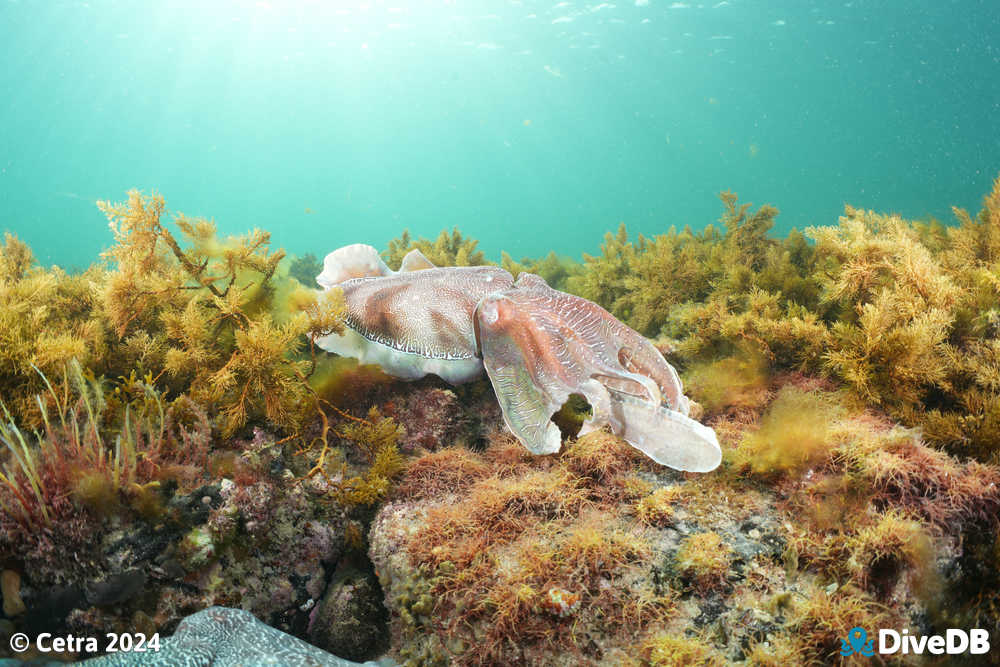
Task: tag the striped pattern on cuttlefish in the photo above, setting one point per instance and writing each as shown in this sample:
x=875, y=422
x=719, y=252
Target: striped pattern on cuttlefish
x=537, y=345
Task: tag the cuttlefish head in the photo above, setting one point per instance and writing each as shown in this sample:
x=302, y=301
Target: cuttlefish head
x=540, y=345
x=517, y=357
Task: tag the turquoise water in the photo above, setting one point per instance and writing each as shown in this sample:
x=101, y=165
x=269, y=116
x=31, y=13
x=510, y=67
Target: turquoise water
x=531, y=126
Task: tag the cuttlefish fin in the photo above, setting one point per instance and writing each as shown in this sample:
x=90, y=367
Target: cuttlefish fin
x=664, y=435
x=352, y=261
x=415, y=261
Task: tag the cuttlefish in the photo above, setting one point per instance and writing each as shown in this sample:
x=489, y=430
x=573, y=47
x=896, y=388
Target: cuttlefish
x=537, y=345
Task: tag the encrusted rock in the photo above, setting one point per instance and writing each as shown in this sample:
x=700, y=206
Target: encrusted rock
x=433, y=419
x=117, y=588
x=10, y=585
x=350, y=620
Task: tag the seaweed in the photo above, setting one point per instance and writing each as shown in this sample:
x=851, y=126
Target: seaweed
x=260, y=371
x=823, y=619
x=657, y=508
x=97, y=445
x=47, y=318
x=641, y=282
x=376, y=438
x=523, y=549
x=902, y=313
x=668, y=650
x=915, y=332
x=702, y=562
x=305, y=269
x=206, y=314
x=894, y=303
x=795, y=433
x=730, y=383
x=16, y=259
x=446, y=250
x=555, y=270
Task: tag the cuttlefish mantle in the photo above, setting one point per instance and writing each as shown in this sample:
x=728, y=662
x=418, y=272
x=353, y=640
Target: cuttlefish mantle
x=537, y=345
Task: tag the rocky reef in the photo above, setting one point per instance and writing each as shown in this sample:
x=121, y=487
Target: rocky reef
x=597, y=557
x=171, y=441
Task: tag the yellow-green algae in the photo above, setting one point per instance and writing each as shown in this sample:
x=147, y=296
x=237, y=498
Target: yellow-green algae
x=135, y=370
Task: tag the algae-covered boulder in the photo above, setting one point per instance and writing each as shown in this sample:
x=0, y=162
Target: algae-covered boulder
x=500, y=557
x=597, y=557
x=350, y=620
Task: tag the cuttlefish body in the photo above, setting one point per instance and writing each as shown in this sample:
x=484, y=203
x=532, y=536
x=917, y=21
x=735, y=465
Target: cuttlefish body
x=538, y=346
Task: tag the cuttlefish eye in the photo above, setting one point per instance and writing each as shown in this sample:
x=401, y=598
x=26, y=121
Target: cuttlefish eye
x=495, y=311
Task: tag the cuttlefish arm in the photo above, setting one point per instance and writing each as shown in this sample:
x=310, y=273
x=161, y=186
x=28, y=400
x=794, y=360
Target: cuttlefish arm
x=617, y=346
x=540, y=345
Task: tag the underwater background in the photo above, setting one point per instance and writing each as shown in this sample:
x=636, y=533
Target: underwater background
x=337, y=122
x=181, y=455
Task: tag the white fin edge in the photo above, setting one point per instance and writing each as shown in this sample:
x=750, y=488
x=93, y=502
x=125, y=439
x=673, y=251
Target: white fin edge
x=353, y=261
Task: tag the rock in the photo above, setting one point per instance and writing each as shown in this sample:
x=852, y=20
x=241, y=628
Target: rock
x=49, y=606
x=489, y=572
x=10, y=585
x=433, y=419
x=116, y=589
x=350, y=620
x=197, y=549
x=711, y=608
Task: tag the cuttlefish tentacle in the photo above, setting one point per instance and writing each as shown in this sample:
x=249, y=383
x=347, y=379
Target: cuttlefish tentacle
x=668, y=437
x=534, y=366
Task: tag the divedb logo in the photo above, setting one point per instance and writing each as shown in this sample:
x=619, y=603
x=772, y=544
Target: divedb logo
x=953, y=641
